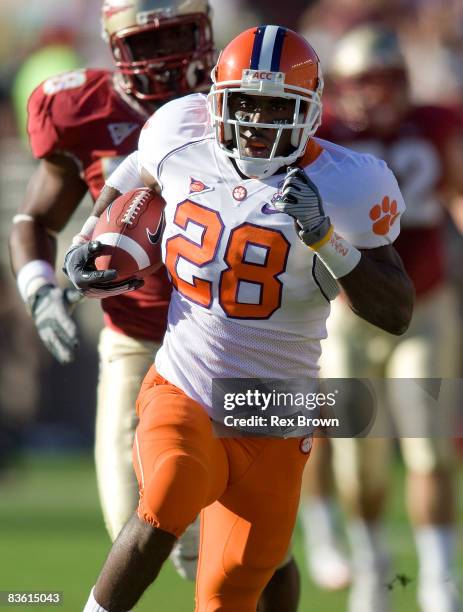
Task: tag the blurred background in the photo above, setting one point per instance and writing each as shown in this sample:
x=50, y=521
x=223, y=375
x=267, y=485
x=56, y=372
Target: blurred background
x=51, y=531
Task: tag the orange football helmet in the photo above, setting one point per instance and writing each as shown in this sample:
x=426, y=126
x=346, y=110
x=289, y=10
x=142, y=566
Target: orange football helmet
x=267, y=61
x=162, y=48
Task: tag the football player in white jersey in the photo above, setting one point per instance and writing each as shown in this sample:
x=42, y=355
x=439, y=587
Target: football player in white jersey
x=260, y=217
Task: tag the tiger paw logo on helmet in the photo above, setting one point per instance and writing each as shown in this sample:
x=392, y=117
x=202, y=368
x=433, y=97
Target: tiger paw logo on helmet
x=383, y=216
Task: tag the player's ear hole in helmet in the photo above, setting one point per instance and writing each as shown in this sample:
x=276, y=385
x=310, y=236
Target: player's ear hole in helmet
x=162, y=49
x=273, y=63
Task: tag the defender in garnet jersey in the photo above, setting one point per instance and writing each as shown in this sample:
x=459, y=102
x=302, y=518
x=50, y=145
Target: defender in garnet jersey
x=423, y=145
x=81, y=125
x=82, y=114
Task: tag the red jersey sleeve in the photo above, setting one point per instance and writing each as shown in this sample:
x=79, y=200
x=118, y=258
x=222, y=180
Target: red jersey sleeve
x=43, y=136
x=52, y=107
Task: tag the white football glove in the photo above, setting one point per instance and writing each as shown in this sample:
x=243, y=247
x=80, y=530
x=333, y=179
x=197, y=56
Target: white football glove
x=51, y=309
x=79, y=266
x=301, y=200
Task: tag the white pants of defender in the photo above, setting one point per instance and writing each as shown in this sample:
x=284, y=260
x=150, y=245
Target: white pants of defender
x=429, y=349
x=124, y=362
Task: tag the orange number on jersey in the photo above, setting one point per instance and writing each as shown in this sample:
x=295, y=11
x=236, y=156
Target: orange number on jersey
x=180, y=247
x=274, y=250
x=264, y=275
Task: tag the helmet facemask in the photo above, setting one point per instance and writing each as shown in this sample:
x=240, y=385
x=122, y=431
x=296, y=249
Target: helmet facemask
x=306, y=118
x=165, y=57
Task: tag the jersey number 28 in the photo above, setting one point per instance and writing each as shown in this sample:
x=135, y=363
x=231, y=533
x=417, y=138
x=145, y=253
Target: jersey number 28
x=263, y=274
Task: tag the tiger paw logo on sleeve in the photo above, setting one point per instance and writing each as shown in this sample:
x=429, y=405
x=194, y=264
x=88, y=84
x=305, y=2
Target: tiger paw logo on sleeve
x=384, y=216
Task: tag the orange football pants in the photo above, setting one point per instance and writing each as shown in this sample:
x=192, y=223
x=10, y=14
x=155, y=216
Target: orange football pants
x=246, y=488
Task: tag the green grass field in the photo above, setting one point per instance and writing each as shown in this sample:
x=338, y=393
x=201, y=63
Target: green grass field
x=52, y=538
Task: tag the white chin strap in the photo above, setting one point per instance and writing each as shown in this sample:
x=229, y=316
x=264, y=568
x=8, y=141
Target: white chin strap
x=263, y=168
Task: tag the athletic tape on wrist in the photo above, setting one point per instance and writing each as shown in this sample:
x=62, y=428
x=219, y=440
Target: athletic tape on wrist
x=34, y=275
x=85, y=234
x=337, y=254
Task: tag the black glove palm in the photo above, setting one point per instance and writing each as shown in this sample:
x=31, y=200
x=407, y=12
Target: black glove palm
x=79, y=265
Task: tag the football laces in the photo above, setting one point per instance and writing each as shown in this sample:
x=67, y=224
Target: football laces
x=134, y=208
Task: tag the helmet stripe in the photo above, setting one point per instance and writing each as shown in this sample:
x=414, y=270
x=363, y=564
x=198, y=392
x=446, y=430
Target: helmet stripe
x=268, y=45
x=256, y=49
x=277, y=49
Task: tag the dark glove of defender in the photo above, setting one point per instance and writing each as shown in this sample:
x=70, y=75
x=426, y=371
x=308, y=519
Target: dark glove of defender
x=79, y=265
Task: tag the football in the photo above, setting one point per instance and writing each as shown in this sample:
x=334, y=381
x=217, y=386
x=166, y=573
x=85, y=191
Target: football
x=131, y=230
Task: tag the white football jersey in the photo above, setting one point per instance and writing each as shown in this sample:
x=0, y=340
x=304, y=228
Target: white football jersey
x=245, y=301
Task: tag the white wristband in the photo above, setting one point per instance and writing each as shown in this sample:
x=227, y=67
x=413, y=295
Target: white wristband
x=126, y=176
x=85, y=234
x=34, y=275
x=337, y=254
x=21, y=218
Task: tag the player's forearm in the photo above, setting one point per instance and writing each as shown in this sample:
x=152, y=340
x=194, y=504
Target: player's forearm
x=374, y=280
x=32, y=256
x=107, y=196
x=29, y=241
x=380, y=292
x=126, y=177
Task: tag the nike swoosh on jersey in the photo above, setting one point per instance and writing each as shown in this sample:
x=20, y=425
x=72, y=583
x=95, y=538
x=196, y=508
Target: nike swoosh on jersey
x=155, y=236
x=268, y=209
